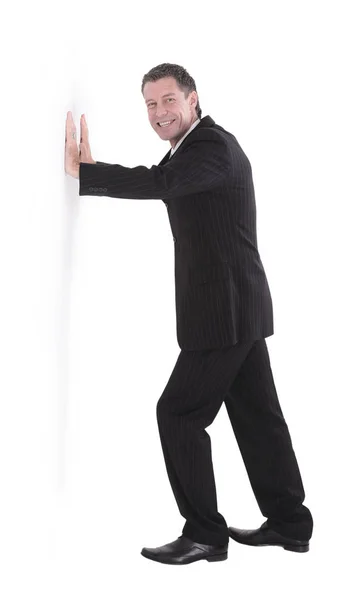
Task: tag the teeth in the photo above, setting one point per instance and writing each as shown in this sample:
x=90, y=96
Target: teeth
x=165, y=123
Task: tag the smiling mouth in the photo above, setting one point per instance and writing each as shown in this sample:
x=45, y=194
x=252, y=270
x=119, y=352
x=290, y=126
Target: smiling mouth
x=166, y=125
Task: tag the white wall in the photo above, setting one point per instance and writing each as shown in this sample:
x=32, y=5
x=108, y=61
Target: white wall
x=87, y=311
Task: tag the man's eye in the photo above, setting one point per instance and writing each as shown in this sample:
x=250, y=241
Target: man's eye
x=151, y=103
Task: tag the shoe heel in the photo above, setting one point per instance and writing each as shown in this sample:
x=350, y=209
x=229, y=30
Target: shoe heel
x=217, y=557
x=303, y=548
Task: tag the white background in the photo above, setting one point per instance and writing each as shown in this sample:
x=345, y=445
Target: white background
x=87, y=305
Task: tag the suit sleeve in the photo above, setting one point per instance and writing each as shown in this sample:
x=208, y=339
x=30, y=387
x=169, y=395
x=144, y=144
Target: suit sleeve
x=200, y=166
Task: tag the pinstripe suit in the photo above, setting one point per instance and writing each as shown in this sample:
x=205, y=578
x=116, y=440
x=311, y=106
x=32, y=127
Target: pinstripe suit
x=221, y=291
x=223, y=312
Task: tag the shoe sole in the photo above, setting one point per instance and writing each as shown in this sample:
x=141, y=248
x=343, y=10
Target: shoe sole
x=290, y=547
x=213, y=558
x=216, y=557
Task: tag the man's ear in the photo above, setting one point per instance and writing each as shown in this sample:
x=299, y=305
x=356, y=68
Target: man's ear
x=194, y=98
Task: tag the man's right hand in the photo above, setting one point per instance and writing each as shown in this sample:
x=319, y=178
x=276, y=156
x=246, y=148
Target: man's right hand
x=85, y=150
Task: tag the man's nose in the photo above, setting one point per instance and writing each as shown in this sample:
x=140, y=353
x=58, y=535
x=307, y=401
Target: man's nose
x=161, y=112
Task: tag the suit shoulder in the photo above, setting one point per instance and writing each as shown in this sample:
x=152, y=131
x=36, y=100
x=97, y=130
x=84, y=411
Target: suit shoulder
x=216, y=133
x=226, y=135
x=233, y=144
x=206, y=133
x=210, y=134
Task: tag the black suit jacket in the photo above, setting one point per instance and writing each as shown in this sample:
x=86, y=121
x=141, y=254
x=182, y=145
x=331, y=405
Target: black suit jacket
x=221, y=291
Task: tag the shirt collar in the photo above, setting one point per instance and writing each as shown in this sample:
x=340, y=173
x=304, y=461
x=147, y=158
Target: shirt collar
x=184, y=136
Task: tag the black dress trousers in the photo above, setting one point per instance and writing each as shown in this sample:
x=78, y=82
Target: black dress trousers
x=241, y=376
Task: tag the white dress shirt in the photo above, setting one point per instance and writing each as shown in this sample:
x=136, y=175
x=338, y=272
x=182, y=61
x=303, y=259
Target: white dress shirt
x=184, y=136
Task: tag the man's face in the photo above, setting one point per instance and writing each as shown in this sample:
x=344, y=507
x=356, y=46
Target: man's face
x=166, y=102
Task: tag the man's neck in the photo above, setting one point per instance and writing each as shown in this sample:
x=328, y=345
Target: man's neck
x=174, y=143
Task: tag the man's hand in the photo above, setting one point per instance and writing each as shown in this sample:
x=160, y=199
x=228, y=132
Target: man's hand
x=73, y=154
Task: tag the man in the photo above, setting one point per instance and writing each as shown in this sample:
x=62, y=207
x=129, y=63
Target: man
x=223, y=312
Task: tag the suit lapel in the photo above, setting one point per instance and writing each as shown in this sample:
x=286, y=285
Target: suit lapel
x=165, y=159
x=205, y=122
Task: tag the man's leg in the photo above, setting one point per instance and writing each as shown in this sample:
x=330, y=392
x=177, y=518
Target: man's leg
x=265, y=444
x=189, y=404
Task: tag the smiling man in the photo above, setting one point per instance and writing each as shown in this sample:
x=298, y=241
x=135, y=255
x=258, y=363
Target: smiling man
x=223, y=315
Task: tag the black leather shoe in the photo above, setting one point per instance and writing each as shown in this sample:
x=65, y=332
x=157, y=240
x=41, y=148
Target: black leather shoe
x=184, y=551
x=265, y=536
